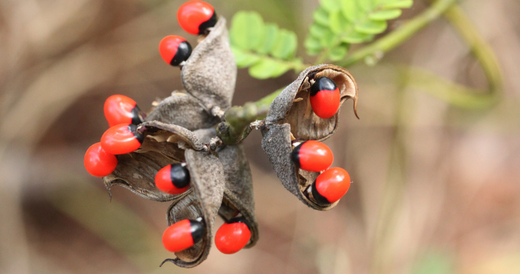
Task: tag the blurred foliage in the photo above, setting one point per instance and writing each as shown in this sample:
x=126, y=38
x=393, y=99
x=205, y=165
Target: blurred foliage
x=266, y=49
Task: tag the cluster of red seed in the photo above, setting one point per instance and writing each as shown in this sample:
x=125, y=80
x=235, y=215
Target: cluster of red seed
x=195, y=17
x=314, y=156
x=122, y=137
x=122, y=114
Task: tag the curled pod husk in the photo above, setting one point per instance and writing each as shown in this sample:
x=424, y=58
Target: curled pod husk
x=183, y=110
x=291, y=117
x=238, y=195
x=207, y=184
x=163, y=144
x=293, y=105
x=210, y=72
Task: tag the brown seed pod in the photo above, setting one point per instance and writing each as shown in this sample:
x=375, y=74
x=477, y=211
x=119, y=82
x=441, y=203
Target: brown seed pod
x=163, y=144
x=291, y=117
x=238, y=195
x=210, y=72
x=183, y=110
x=293, y=106
x=207, y=184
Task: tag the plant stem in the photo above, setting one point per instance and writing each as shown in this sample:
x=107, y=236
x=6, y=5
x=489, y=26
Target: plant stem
x=479, y=47
x=237, y=119
x=400, y=35
x=454, y=93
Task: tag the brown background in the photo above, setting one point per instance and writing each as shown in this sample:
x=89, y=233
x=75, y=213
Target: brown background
x=436, y=188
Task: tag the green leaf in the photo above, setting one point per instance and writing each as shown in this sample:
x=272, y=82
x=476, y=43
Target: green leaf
x=270, y=38
x=247, y=30
x=321, y=16
x=371, y=27
x=286, y=44
x=266, y=49
x=244, y=59
x=317, y=31
x=338, y=53
x=330, y=5
x=357, y=37
x=365, y=5
x=350, y=10
x=338, y=22
x=267, y=68
x=397, y=4
x=328, y=38
x=312, y=45
x=385, y=14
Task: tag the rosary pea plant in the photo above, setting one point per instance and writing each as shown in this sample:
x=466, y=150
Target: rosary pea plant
x=187, y=148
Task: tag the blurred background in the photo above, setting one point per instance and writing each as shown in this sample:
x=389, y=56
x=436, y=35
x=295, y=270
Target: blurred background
x=436, y=186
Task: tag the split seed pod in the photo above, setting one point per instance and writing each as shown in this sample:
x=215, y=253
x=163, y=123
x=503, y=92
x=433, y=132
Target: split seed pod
x=183, y=110
x=291, y=117
x=207, y=184
x=210, y=72
x=180, y=129
x=163, y=144
x=238, y=195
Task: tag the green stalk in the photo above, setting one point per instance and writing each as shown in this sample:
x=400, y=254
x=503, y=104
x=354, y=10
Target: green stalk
x=237, y=120
x=454, y=93
x=479, y=47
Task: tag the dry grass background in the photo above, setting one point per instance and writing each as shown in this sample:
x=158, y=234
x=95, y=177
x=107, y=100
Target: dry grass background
x=436, y=188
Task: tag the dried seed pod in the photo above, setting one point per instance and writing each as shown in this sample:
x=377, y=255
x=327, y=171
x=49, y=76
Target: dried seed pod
x=291, y=117
x=238, y=195
x=207, y=184
x=210, y=72
x=293, y=105
x=183, y=110
x=163, y=144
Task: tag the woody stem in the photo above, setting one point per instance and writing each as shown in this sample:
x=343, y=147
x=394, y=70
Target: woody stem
x=237, y=120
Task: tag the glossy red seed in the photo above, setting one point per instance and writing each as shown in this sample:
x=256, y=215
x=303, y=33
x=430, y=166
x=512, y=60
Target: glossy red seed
x=332, y=184
x=174, y=49
x=120, y=109
x=121, y=139
x=312, y=156
x=196, y=16
x=325, y=98
x=173, y=179
x=177, y=237
x=98, y=162
x=182, y=235
x=232, y=237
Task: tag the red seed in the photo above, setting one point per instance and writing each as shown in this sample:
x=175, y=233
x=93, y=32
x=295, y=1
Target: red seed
x=312, y=156
x=331, y=185
x=98, y=162
x=120, y=109
x=232, y=237
x=174, y=49
x=196, y=16
x=173, y=179
x=325, y=98
x=121, y=139
x=182, y=235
